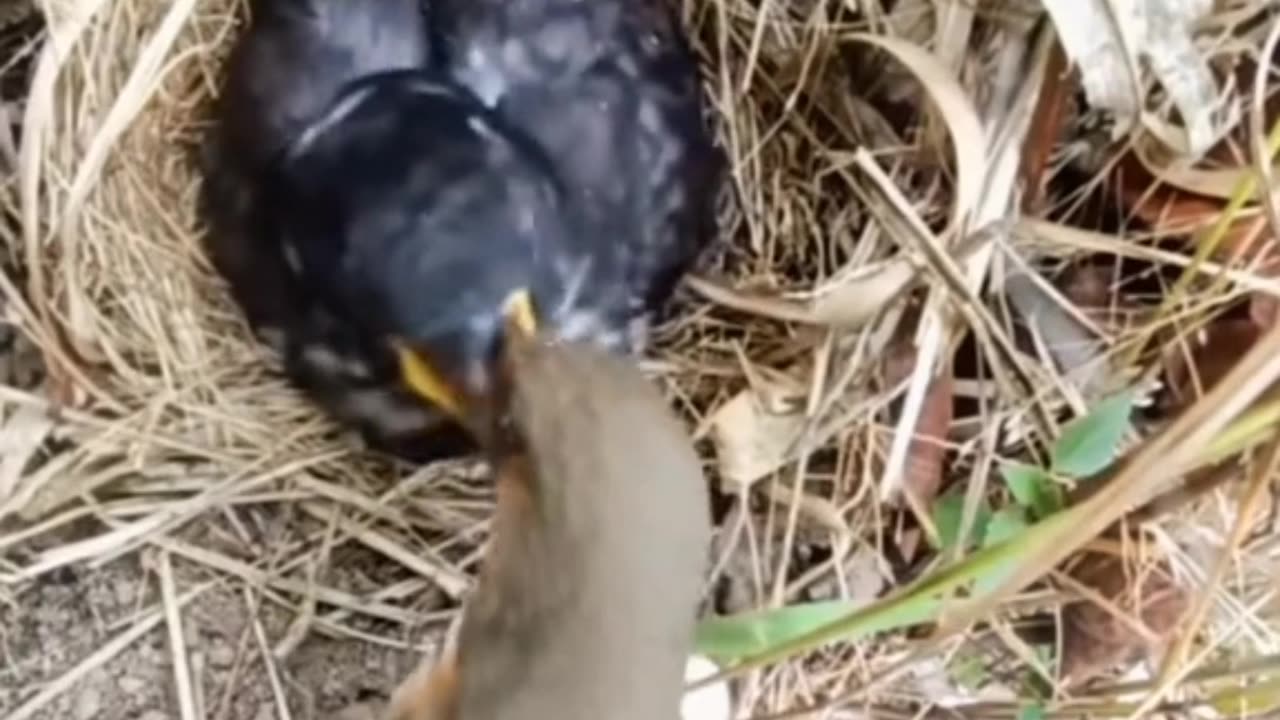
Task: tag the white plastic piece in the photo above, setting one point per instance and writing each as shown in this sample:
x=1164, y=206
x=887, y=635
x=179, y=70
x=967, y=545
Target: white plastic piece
x=706, y=703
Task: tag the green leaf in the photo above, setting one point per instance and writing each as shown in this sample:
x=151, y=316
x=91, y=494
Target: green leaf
x=926, y=599
x=1026, y=483
x=1088, y=444
x=1005, y=523
x=1034, y=711
x=1050, y=501
x=727, y=638
x=948, y=512
x=1033, y=488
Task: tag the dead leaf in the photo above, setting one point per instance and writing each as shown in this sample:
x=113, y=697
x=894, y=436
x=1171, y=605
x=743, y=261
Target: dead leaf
x=1248, y=240
x=957, y=112
x=1192, y=371
x=1095, y=638
x=922, y=474
x=1217, y=183
x=1065, y=336
x=1046, y=127
x=847, y=301
x=755, y=431
x=1173, y=211
x=1108, y=41
x=851, y=301
x=1264, y=309
x=1093, y=45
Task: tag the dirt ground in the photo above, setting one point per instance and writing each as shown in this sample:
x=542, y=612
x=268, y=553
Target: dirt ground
x=59, y=622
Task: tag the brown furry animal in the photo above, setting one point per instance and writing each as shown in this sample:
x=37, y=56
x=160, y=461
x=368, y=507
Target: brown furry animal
x=588, y=598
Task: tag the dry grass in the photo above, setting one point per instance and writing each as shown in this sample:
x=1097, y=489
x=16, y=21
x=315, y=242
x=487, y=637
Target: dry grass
x=163, y=433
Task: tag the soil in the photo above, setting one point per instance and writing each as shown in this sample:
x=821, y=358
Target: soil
x=58, y=622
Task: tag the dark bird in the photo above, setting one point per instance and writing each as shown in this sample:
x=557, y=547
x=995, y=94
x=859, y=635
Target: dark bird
x=386, y=181
x=588, y=596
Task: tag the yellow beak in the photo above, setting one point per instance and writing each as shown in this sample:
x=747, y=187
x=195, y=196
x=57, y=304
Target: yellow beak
x=518, y=314
x=426, y=381
x=422, y=377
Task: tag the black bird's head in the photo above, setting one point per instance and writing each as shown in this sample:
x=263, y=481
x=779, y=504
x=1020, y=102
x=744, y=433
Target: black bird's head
x=410, y=212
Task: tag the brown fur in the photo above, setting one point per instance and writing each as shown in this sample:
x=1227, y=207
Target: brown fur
x=587, y=601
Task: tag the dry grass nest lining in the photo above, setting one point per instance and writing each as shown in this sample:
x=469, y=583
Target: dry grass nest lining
x=160, y=386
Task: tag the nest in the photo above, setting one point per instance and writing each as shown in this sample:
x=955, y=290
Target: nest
x=158, y=407
x=150, y=363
